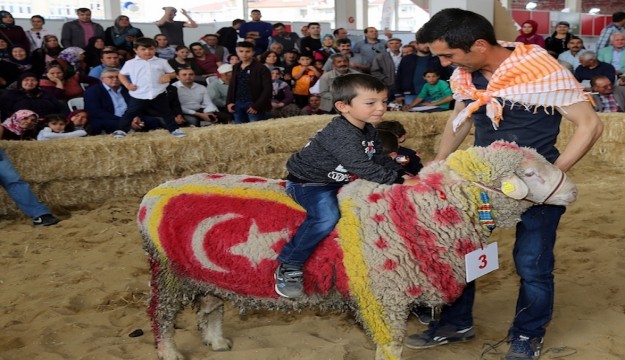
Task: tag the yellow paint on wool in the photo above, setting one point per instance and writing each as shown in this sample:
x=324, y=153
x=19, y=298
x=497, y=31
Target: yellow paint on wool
x=467, y=165
x=371, y=309
x=154, y=215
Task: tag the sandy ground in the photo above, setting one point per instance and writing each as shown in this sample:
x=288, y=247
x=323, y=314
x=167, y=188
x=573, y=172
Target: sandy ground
x=78, y=289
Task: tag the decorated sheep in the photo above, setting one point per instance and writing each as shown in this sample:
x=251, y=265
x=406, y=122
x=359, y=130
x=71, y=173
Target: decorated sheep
x=212, y=238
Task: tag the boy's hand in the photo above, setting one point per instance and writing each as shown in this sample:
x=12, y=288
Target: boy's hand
x=131, y=87
x=165, y=78
x=230, y=108
x=251, y=110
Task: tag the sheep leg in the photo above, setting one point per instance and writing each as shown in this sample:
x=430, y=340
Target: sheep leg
x=389, y=338
x=210, y=315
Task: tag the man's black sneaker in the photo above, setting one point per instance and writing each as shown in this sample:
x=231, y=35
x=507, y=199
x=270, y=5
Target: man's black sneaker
x=289, y=281
x=45, y=220
x=524, y=348
x=423, y=313
x=437, y=335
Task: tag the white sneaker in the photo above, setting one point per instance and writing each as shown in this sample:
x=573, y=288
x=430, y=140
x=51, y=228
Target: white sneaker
x=179, y=133
x=118, y=134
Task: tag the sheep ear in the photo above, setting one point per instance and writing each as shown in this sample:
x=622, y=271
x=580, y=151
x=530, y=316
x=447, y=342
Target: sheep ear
x=512, y=186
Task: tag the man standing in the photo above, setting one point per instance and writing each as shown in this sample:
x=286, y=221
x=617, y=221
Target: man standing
x=173, y=29
x=211, y=44
x=78, y=32
x=259, y=30
x=370, y=46
x=289, y=40
x=614, y=53
x=617, y=25
x=197, y=107
x=531, y=117
x=340, y=66
x=340, y=33
x=229, y=35
x=384, y=66
x=356, y=61
x=608, y=97
x=311, y=42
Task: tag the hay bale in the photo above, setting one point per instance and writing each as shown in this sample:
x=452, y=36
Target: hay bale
x=78, y=173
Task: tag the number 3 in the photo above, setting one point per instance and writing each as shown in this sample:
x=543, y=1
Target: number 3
x=483, y=261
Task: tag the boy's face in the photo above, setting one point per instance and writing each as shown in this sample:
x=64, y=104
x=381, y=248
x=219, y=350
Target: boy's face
x=367, y=107
x=245, y=54
x=144, y=52
x=314, y=102
x=56, y=126
x=431, y=78
x=275, y=74
x=304, y=60
x=290, y=57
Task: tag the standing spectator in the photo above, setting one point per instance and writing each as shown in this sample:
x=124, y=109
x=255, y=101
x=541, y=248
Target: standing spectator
x=4, y=47
x=78, y=32
x=108, y=59
x=340, y=66
x=557, y=43
x=305, y=75
x=311, y=42
x=590, y=67
x=173, y=29
x=36, y=32
x=617, y=25
x=211, y=44
x=327, y=48
x=18, y=56
x=259, y=30
x=288, y=39
x=370, y=46
x=356, y=61
x=304, y=31
x=614, y=53
x=163, y=49
x=150, y=76
x=218, y=92
x=229, y=35
x=607, y=96
x=340, y=33
x=47, y=53
x=122, y=34
x=249, y=93
x=528, y=34
x=385, y=65
x=407, y=50
x=14, y=34
x=197, y=107
x=570, y=58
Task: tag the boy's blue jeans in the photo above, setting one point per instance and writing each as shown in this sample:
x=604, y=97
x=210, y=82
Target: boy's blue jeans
x=19, y=190
x=534, y=260
x=322, y=214
x=241, y=115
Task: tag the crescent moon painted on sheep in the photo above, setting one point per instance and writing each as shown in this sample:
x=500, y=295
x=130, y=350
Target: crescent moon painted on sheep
x=197, y=241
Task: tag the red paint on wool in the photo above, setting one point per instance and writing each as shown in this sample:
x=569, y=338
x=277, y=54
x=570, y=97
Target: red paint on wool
x=414, y=291
x=447, y=216
x=378, y=218
x=390, y=265
x=214, y=176
x=254, y=180
x=500, y=145
x=381, y=243
x=141, y=214
x=464, y=246
x=374, y=198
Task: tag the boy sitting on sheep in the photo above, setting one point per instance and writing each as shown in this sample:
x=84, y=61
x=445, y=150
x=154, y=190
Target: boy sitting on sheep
x=346, y=149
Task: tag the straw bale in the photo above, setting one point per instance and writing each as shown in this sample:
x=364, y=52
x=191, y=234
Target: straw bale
x=71, y=174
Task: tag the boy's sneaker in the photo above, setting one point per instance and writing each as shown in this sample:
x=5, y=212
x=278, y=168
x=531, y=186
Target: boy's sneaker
x=423, y=313
x=289, y=281
x=524, y=347
x=439, y=335
x=45, y=220
x=178, y=133
x=118, y=134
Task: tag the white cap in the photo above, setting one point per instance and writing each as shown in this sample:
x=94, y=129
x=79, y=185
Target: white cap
x=224, y=68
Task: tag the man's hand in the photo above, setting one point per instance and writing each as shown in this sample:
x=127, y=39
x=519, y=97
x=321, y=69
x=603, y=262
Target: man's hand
x=251, y=110
x=137, y=123
x=230, y=108
x=179, y=119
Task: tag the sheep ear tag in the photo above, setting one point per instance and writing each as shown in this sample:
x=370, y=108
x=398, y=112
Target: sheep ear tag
x=514, y=187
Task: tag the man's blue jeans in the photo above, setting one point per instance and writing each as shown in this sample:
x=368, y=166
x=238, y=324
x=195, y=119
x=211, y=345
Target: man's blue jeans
x=19, y=190
x=534, y=261
x=241, y=115
x=322, y=214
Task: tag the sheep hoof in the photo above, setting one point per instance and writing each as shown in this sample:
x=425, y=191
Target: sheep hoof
x=222, y=344
x=171, y=355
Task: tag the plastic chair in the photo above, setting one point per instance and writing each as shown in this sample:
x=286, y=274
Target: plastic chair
x=76, y=104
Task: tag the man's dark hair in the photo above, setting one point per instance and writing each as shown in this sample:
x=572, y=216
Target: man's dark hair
x=336, y=32
x=145, y=42
x=277, y=25
x=182, y=67
x=236, y=22
x=313, y=23
x=593, y=80
x=195, y=44
x=458, y=28
x=343, y=41
x=82, y=10
x=618, y=16
x=106, y=52
x=245, y=44
x=255, y=10
x=180, y=47
x=392, y=126
x=345, y=88
x=38, y=17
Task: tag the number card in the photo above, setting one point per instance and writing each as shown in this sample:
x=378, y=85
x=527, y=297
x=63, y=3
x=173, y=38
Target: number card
x=481, y=261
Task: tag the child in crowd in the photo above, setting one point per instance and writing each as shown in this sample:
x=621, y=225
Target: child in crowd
x=77, y=120
x=305, y=75
x=55, y=129
x=435, y=92
x=150, y=76
x=314, y=101
x=282, y=105
x=346, y=149
x=411, y=161
x=163, y=49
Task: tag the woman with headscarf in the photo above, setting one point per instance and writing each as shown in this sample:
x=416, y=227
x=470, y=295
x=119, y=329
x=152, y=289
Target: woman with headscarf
x=13, y=33
x=327, y=48
x=46, y=54
x=18, y=56
x=28, y=96
x=122, y=34
x=21, y=125
x=93, y=51
x=528, y=34
x=72, y=59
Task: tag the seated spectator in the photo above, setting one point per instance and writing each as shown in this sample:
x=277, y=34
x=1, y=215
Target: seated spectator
x=435, y=92
x=55, y=83
x=14, y=34
x=271, y=59
x=4, y=48
x=122, y=34
x=412, y=162
x=29, y=96
x=290, y=60
x=46, y=54
x=218, y=92
x=528, y=34
x=327, y=48
x=20, y=192
x=233, y=59
x=197, y=107
x=590, y=67
x=182, y=60
x=282, y=105
x=614, y=53
x=607, y=96
x=37, y=32
x=207, y=62
x=72, y=59
x=10, y=69
x=570, y=58
x=108, y=59
x=163, y=49
x=211, y=44
x=21, y=125
x=77, y=120
x=93, y=51
x=314, y=101
x=278, y=49
x=55, y=129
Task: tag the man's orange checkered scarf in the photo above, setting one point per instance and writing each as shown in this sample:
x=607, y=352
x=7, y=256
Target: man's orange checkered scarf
x=529, y=76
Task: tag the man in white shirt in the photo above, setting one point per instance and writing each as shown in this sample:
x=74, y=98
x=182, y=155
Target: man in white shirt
x=570, y=58
x=197, y=107
x=218, y=92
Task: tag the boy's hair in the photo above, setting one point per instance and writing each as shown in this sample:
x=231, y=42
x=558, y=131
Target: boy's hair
x=392, y=126
x=277, y=25
x=145, y=42
x=305, y=55
x=389, y=141
x=180, y=47
x=314, y=23
x=432, y=71
x=458, y=28
x=53, y=118
x=245, y=44
x=157, y=35
x=345, y=88
x=82, y=10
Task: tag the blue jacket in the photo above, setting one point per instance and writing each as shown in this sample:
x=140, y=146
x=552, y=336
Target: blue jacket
x=99, y=106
